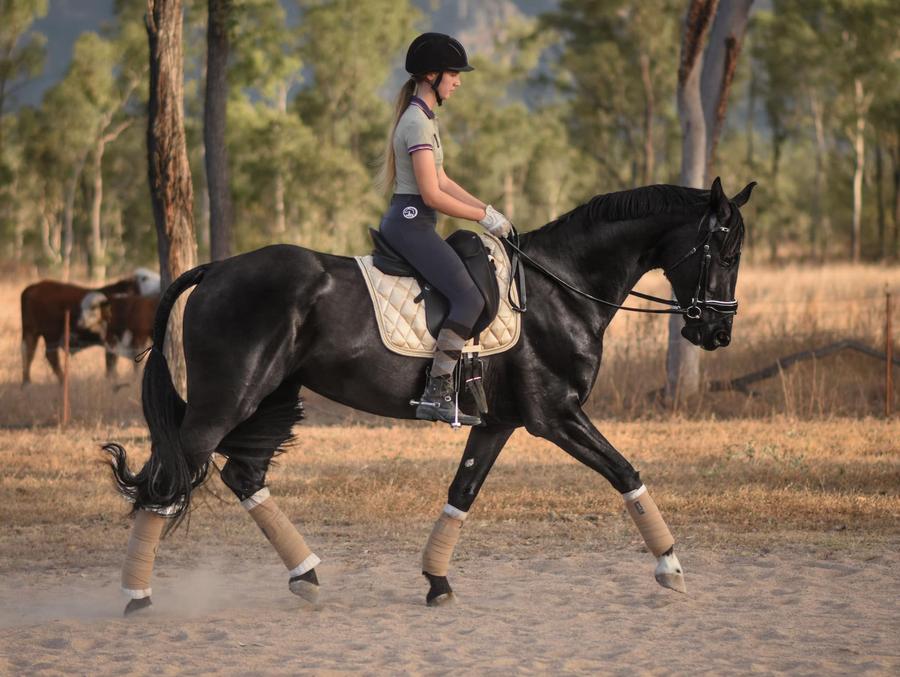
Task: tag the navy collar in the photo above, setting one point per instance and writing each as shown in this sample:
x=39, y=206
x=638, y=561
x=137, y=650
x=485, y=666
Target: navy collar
x=416, y=101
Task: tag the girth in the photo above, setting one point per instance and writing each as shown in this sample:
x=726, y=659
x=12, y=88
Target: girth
x=472, y=253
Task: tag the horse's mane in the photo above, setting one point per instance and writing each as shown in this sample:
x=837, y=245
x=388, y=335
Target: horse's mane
x=637, y=203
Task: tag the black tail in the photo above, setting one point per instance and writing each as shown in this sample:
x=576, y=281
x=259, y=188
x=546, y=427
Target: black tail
x=169, y=476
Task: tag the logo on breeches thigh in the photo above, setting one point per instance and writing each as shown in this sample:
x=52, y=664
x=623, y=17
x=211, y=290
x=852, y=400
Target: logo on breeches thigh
x=410, y=212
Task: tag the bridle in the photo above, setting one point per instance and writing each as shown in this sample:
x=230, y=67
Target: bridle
x=698, y=304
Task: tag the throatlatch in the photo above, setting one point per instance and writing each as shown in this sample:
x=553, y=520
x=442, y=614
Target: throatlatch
x=142, y=545
x=649, y=521
x=442, y=541
x=281, y=533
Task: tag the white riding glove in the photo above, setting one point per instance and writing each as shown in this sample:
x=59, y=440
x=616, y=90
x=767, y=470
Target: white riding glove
x=495, y=223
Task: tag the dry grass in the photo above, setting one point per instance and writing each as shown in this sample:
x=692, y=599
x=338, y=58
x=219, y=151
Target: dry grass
x=782, y=311
x=799, y=476
x=830, y=486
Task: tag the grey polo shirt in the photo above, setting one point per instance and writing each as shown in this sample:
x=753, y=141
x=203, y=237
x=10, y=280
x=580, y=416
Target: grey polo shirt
x=416, y=130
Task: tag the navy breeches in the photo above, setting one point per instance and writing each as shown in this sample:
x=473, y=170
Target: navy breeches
x=409, y=227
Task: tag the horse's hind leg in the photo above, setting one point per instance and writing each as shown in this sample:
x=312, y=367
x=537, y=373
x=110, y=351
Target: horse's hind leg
x=249, y=448
x=247, y=479
x=482, y=449
x=138, y=568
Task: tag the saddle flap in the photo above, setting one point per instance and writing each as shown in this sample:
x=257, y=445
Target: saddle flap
x=401, y=315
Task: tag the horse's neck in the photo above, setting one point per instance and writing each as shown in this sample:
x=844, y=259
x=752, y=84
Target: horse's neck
x=603, y=259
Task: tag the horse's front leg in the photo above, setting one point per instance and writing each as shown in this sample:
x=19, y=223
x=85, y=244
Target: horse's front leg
x=481, y=451
x=575, y=434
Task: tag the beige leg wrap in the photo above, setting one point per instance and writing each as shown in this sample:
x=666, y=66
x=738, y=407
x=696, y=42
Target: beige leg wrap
x=648, y=520
x=439, y=549
x=282, y=534
x=145, y=535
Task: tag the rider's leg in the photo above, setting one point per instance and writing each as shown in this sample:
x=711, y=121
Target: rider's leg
x=418, y=242
x=482, y=449
x=575, y=434
x=246, y=478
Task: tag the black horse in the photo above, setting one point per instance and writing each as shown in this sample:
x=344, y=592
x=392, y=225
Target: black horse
x=260, y=325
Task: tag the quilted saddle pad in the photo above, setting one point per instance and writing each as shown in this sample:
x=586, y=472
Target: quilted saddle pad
x=401, y=321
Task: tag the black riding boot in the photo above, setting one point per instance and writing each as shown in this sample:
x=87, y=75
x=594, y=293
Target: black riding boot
x=439, y=404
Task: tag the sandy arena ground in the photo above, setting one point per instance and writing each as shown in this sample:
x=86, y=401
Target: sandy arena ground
x=569, y=610
x=788, y=532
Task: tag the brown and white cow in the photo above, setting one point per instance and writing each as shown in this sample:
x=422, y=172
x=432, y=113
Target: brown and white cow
x=124, y=322
x=44, y=305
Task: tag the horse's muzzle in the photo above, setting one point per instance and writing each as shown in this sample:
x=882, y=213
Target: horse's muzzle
x=708, y=336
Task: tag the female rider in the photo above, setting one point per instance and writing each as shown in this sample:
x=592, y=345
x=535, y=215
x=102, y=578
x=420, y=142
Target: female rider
x=413, y=167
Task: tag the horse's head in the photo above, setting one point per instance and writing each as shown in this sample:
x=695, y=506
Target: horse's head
x=705, y=275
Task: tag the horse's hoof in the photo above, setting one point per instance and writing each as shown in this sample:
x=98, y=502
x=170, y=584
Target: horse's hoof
x=306, y=586
x=441, y=600
x=672, y=582
x=440, y=592
x=669, y=573
x=136, y=605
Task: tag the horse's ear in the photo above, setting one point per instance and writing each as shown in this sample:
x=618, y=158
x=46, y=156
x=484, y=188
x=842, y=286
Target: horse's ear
x=718, y=203
x=741, y=198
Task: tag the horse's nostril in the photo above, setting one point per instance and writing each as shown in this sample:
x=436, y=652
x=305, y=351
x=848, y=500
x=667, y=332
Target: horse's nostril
x=722, y=338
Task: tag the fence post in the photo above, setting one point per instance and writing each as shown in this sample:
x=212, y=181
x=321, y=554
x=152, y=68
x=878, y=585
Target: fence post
x=64, y=418
x=889, y=358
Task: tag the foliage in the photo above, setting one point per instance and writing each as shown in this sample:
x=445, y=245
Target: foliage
x=576, y=101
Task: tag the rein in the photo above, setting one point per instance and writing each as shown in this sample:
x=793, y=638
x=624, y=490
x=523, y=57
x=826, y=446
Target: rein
x=693, y=311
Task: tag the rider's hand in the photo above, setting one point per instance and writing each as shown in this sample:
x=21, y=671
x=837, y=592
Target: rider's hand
x=495, y=223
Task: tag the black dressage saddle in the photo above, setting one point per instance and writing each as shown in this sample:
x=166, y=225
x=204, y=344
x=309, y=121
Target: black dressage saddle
x=474, y=255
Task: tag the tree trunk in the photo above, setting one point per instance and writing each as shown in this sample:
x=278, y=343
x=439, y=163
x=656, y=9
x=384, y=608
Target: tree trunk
x=649, y=156
x=682, y=358
x=895, y=158
x=280, y=225
x=859, y=147
x=68, y=232
x=97, y=259
x=214, y=124
x=879, y=200
x=820, y=229
x=704, y=80
x=719, y=63
x=751, y=114
x=171, y=191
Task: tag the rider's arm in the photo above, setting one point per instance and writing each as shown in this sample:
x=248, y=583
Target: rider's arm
x=450, y=187
x=432, y=194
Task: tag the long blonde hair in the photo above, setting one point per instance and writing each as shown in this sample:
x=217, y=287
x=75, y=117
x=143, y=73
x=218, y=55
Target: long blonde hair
x=387, y=173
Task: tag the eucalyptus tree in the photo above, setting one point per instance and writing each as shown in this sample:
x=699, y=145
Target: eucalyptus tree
x=711, y=42
x=349, y=50
x=616, y=67
x=265, y=68
x=215, y=111
x=864, y=37
x=171, y=187
x=22, y=55
x=22, y=52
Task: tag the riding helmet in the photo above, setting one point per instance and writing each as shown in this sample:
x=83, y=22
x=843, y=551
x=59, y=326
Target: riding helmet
x=436, y=53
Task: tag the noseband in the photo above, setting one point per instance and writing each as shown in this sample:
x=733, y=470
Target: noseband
x=699, y=302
